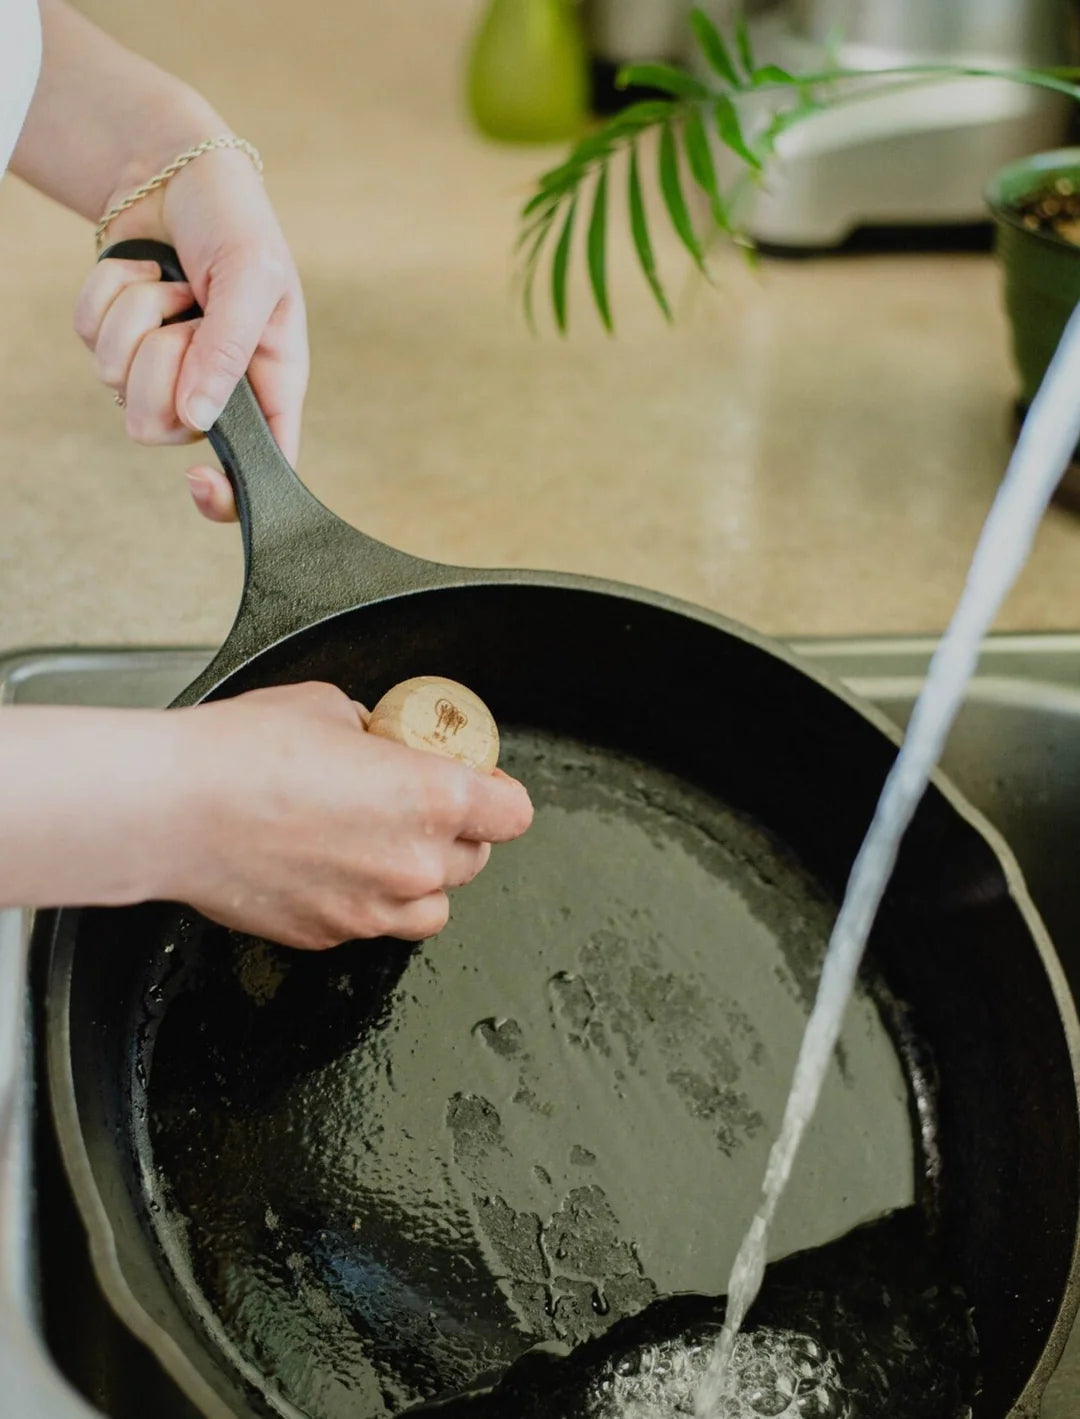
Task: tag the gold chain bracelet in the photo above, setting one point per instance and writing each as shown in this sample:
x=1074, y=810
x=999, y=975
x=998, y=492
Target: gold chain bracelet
x=161, y=178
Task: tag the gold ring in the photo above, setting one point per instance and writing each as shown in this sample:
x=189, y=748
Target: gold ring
x=119, y=401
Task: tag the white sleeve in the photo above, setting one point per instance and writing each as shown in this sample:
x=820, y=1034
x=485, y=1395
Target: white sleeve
x=20, y=64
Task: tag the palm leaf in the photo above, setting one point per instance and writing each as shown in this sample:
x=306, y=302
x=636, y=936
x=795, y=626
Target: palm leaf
x=772, y=74
x=532, y=262
x=639, y=228
x=699, y=156
x=561, y=264
x=664, y=77
x=671, y=188
x=743, y=45
x=536, y=219
x=552, y=189
x=644, y=114
x=730, y=130
x=713, y=47
x=557, y=181
x=597, y=249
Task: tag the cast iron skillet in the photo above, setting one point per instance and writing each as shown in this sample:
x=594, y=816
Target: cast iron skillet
x=339, y=1185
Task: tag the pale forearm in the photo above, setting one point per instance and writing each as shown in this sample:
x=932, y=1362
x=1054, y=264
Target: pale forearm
x=103, y=119
x=274, y=813
x=93, y=805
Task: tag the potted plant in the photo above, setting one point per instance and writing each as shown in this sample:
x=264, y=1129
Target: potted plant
x=708, y=128
x=1036, y=205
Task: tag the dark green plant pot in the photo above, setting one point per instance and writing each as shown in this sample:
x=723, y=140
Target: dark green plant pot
x=1042, y=271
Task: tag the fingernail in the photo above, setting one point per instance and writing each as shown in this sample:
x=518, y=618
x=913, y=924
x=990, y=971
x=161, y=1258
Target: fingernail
x=202, y=412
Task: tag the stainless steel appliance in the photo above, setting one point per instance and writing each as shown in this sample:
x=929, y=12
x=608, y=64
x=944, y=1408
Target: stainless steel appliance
x=1015, y=752
x=917, y=156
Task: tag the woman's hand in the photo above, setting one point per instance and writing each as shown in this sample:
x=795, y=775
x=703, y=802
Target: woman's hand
x=175, y=379
x=293, y=823
x=103, y=121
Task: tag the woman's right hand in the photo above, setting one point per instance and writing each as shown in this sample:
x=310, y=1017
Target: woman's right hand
x=293, y=823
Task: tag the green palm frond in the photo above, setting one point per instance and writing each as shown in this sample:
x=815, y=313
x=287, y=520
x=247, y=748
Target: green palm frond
x=690, y=118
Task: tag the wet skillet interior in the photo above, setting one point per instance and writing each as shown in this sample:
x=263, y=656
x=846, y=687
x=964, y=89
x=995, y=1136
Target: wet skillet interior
x=384, y=1172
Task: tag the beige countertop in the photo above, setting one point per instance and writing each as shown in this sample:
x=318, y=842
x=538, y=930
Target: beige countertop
x=811, y=449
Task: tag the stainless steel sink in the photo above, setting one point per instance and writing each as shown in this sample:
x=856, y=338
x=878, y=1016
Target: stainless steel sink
x=1015, y=753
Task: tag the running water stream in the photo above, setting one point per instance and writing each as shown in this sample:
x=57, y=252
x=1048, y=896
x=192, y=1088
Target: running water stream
x=1050, y=434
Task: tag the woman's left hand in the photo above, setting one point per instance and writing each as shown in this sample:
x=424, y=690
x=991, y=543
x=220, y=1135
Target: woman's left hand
x=176, y=379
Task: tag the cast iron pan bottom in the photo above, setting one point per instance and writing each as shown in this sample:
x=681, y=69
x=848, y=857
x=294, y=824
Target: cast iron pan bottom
x=388, y=1171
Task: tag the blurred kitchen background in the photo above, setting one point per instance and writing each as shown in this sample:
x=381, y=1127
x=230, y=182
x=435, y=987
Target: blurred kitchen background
x=811, y=448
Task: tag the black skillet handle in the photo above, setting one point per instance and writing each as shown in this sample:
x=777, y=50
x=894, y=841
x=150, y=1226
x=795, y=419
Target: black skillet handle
x=302, y=562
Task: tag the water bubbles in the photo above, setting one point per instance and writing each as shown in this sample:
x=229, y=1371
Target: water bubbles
x=773, y=1374
x=768, y=1392
x=820, y=1403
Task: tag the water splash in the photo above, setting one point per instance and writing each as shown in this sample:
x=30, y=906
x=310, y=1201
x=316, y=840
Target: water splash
x=1049, y=436
x=773, y=1374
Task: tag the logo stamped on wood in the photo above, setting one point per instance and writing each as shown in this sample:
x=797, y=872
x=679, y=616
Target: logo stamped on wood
x=449, y=720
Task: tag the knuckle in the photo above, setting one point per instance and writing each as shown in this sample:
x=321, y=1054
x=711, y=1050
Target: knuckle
x=416, y=878
x=258, y=259
x=359, y=919
x=228, y=357
x=409, y=932
x=446, y=794
x=346, y=921
x=430, y=879
x=377, y=921
x=319, y=691
x=270, y=266
x=146, y=427
x=403, y=884
x=310, y=931
x=83, y=320
x=108, y=368
x=90, y=302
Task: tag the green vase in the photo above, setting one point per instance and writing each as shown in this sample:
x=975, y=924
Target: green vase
x=1042, y=271
x=528, y=72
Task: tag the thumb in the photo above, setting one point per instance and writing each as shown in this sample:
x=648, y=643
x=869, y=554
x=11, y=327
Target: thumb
x=240, y=299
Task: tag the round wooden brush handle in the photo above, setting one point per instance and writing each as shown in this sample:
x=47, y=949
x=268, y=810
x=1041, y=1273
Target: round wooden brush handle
x=440, y=716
